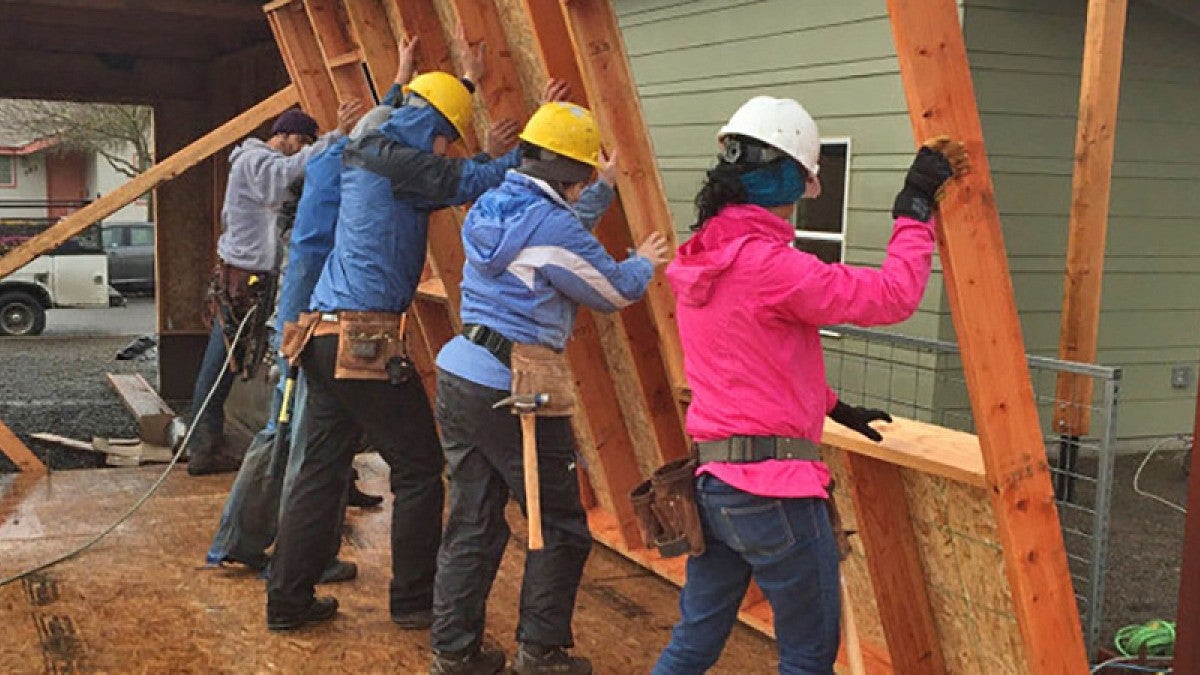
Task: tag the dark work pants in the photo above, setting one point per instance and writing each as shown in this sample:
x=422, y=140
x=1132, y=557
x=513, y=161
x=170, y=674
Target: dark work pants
x=483, y=455
x=395, y=420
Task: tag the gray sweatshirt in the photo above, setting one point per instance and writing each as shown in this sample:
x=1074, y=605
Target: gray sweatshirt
x=259, y=177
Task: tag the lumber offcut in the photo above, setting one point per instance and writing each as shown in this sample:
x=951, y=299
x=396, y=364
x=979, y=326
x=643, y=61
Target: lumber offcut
x=18, y=452
x=146, y=181
x=941, y=100
x=153, y=415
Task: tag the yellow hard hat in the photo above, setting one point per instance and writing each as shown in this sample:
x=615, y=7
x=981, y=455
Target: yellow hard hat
x=565, y=129
x=447, y=94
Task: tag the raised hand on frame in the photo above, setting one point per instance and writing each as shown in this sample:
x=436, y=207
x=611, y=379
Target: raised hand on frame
x=501, y=137
x=555, y=90
x=471, y=58
x=655, y=249
x=406, y=49
x=606, y=168
x=348, y=113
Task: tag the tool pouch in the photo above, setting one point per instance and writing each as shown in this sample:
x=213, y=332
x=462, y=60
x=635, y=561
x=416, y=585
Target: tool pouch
x=541, y=370
x=642, y=497
x=674, y=504
x=296, y=335
x=367, y=341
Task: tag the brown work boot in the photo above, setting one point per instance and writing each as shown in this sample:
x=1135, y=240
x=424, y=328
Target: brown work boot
x=537, y=660
x=470, y=662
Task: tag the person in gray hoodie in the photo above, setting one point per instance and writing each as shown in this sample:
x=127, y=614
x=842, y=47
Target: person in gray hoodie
x=260, y=173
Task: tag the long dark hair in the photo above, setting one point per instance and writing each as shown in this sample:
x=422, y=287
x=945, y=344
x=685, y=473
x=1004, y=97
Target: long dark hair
x=721, y=188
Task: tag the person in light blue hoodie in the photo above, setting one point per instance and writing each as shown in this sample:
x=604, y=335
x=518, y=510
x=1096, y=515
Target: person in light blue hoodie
x=531, y=261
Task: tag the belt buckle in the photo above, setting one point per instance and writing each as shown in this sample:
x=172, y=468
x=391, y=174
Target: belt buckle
x=329, y=318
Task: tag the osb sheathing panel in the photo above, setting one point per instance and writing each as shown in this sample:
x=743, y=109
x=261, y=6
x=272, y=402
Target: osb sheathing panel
x=964, y=570
x=141, y=602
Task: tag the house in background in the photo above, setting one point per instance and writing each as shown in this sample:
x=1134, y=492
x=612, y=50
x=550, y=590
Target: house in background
x=696, y=61
x=39, y=181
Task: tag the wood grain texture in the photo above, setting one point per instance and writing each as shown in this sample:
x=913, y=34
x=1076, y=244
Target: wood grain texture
x=18, y=453
x=302, y=56
x=894, y=560
x=941, y=99
x=1091, y=185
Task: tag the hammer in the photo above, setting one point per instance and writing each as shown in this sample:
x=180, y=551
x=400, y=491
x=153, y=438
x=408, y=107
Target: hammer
x=525, y=406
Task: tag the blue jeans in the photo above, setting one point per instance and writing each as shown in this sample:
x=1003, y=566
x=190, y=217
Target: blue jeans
x=787, y=545
x=251, y=514
x=212, y=370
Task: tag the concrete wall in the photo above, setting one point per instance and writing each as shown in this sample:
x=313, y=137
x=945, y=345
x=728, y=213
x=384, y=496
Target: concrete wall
x=1026, y=61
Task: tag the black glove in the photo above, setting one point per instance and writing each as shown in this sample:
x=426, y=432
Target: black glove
x=857, y=418
x=929, y=171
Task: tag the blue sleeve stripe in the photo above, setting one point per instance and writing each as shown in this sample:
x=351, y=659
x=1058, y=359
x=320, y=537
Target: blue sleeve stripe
x=530, y=259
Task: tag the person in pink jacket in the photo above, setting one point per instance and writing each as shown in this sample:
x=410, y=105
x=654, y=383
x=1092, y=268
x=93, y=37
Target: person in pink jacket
x=749, y=309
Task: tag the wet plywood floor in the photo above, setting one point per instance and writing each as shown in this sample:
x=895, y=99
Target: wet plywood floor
x=141, y=600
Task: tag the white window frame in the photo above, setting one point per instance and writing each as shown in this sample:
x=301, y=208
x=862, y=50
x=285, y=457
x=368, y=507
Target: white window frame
x=839, y=237
x=12, y=163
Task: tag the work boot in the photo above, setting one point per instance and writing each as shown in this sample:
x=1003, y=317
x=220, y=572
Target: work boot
x=470, y=662
x=338, y=570
x=219, y=460
x=359, y=498
x=535, y=660
x=418, y=620
x=323, y=608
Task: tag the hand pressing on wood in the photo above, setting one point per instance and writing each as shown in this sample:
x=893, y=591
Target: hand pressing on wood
x=501, y=137
x=859, y=419
x=555, y=90
x=471, y=58
x=348, y=113
x=655, y=249
x=407, y=51
x=939, y=160
x=606, y=168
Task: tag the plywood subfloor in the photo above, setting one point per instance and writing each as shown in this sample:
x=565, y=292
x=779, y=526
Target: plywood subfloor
x=142, y=602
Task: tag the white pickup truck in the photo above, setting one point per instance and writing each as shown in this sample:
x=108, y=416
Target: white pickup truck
x=73, y=275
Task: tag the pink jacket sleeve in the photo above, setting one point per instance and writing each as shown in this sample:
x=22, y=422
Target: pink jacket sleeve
x=801, y=287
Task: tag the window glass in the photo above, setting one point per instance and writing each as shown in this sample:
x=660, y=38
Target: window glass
x=8, y=171
x=821, y=222
x=141, y=236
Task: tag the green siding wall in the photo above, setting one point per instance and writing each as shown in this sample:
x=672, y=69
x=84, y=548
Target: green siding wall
x=1026, y=61
x=696, y=61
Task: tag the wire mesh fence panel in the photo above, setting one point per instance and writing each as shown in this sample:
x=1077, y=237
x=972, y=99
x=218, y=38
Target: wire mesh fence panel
x=922, y=379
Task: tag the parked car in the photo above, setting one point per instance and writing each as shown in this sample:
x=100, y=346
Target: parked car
x=130, y=249
x=73, y=275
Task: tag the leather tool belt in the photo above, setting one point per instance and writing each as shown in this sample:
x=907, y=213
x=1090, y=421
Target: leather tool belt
x=541, y=370
x=371, y=345
x=745, y=449
x=666, y=510
x=500, y=346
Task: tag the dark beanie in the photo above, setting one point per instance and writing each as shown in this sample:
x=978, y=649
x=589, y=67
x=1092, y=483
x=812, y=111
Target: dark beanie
x=542, y=163
x=295, y=121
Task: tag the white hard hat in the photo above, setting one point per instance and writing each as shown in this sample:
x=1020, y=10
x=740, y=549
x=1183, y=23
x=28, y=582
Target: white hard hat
x=780, y=123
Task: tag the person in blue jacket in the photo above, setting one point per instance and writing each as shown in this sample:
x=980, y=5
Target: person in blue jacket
x=251, y=512
x=531, y=260
x=392, y=179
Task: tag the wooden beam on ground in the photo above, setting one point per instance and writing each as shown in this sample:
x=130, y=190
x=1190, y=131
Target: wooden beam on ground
x=343, y=60
x=18, y=453
x=302, y=56
x=611, y=91
x=153, y=415
x=136, y=187
x=941, y=100
x=894, y=560
x=1099, y=92
x=372, y=30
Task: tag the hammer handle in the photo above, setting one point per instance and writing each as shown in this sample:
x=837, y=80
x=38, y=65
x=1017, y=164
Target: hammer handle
x=533, y=489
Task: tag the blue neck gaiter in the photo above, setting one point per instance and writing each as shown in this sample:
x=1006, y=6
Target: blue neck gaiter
x=776, y=184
